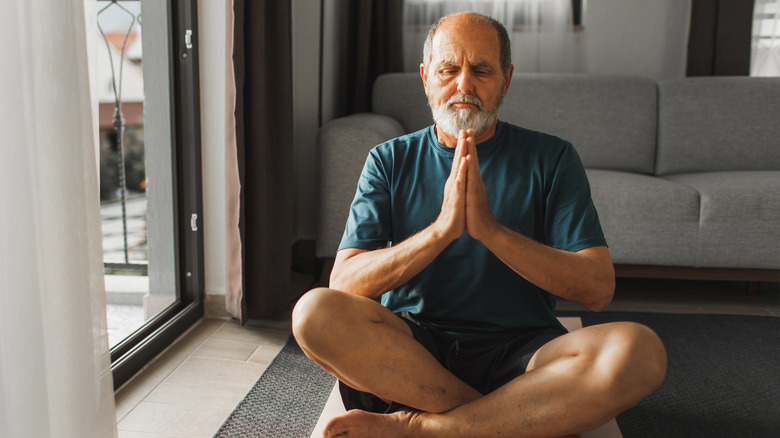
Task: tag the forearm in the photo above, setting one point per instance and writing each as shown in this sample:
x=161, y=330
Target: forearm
x=586, y=277
x=372, y=273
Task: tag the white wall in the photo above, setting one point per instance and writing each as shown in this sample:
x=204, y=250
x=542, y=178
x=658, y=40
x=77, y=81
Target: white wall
x=637, y=37
x=212, y=26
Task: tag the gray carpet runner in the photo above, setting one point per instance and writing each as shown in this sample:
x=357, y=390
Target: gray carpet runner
x=285, y=402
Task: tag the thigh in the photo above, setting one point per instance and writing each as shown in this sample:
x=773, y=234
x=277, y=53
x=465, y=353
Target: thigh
x=330, y=314
x=625, y=361
x=616, y=339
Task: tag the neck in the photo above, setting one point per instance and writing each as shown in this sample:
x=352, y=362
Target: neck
x=451, y=141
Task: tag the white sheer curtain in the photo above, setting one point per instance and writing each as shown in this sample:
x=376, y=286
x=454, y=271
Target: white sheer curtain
x=541, y=31
x=765, y=54
x=55, y=372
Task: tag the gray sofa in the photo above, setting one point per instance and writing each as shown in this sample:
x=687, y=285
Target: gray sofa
x=685, y=174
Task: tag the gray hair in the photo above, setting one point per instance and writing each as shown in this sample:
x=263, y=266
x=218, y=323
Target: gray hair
x=474, y=18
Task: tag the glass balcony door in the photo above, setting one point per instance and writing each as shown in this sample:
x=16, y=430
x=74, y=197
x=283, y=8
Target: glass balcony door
x=149, y=174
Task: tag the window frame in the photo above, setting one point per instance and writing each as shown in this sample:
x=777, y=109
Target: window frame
x=135, y=351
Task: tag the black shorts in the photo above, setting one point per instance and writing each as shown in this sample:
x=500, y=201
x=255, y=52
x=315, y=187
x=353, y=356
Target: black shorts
x=485, y=363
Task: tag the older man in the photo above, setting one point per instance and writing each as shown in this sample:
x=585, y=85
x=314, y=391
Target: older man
x=468, y=230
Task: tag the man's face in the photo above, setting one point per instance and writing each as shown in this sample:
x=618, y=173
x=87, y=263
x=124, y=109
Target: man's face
x=463, y=79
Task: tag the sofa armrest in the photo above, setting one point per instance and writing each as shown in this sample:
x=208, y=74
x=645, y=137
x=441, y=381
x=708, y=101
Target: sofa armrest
x=342, y=147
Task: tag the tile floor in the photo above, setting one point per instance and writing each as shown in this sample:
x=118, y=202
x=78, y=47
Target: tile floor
x=192, y=387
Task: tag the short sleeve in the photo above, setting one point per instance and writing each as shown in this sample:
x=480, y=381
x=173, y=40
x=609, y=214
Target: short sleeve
x=369, y=224
x=571, y=220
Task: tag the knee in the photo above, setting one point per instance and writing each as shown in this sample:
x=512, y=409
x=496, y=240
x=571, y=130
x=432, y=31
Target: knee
x=651, y=352
x=312, y=313
x=636, y=357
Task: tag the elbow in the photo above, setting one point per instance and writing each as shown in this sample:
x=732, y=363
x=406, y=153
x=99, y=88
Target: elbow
x=596, y=285
x=599, y=306
x=603, y=297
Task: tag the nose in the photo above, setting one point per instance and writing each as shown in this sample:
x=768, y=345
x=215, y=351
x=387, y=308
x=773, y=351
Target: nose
x=465, y=81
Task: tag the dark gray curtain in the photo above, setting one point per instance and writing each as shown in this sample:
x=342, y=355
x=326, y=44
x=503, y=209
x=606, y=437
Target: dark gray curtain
x=263, y=70
x=719, y=38
x=374, y=46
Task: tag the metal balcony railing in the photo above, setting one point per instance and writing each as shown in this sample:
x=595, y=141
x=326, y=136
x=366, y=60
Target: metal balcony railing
x=117, y=76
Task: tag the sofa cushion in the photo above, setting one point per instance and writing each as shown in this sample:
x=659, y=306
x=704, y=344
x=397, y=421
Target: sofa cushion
x=646, y=220
x=713, y=124
x=611, y=120
x=740, y=218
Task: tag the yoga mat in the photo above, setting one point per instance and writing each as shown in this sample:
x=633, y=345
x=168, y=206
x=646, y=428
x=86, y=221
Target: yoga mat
x=723, y=380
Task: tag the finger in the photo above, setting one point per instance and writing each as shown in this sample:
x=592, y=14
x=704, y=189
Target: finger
x=471, y=146
x=474, y=172
x=461, y=149
x=463, y=170
x=474, y=181
x=461, y=183
x=455, y=188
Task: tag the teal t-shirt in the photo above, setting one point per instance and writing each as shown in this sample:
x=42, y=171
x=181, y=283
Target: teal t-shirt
x=536, y=185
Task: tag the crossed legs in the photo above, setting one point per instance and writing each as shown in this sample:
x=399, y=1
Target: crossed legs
x=574, y=383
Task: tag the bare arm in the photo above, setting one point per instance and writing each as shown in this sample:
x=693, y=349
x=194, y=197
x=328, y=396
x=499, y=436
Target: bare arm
x=372, y=273
x=586, y=276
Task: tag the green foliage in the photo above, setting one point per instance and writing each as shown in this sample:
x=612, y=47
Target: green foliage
x=135, y=175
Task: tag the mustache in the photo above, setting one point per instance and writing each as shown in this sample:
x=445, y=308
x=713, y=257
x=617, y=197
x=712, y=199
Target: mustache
x=465, y=98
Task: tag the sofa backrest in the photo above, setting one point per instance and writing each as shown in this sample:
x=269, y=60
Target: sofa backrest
x=402, y=97
x=718, y=123
x=611, y=120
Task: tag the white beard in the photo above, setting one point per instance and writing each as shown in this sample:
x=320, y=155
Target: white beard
x=452, y=120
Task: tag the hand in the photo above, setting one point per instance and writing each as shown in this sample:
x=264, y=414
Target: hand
x=465, y=205
x=451, y=223
x=480, y=222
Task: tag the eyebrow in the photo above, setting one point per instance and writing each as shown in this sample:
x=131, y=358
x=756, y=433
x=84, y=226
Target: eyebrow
x=480, y=64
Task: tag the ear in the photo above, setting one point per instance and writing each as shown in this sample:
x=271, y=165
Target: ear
x=424, y=77
x=508, y=78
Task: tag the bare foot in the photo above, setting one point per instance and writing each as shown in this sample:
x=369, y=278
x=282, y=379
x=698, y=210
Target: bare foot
x=358, y=423
x=401, y=424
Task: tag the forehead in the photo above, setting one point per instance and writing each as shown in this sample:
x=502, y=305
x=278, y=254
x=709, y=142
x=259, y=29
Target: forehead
x=459, y=40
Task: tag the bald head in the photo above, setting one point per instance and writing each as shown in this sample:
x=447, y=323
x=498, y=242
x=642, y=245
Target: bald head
x=473, y=18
